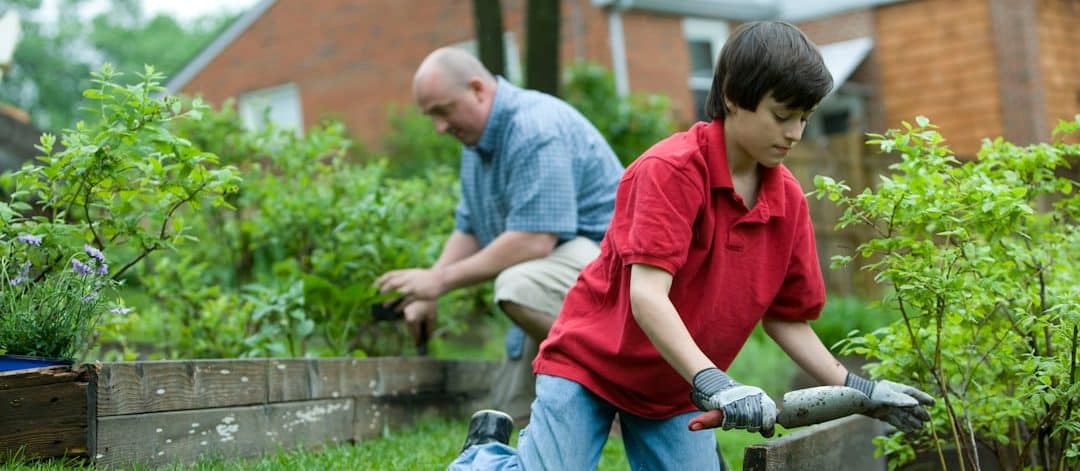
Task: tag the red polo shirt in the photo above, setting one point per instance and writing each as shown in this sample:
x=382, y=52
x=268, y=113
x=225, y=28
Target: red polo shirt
x=676, y=209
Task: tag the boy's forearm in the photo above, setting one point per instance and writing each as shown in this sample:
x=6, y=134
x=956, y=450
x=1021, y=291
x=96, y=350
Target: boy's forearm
x=657, y=317
x=802, y=344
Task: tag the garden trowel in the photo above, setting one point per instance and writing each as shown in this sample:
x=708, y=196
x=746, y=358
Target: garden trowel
x=803, y=407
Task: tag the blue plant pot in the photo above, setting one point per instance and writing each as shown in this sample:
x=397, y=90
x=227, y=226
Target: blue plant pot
x=21, y=362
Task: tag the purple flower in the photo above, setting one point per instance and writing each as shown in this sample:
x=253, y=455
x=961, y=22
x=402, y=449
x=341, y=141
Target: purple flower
x=120, y=310
x=23, y=275
x=80, y=267
x=103, y=269
x=30, y=239
x=89, y=298
x=94, y=253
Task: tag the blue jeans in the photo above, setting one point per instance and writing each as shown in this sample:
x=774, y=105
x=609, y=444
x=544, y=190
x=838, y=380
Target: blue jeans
x=570, y=425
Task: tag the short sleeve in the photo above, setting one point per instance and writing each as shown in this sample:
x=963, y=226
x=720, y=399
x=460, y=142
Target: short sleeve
x=802, y=294
x=541, y=192
x=655, y=210
x=461, y=218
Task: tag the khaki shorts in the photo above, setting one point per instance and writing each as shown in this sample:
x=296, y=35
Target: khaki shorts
x=540, y=285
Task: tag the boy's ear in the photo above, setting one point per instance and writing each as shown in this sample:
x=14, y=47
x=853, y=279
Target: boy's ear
x=729, y=106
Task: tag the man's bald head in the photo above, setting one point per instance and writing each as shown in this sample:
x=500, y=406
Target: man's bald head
x=456, y=91
x=453, y=66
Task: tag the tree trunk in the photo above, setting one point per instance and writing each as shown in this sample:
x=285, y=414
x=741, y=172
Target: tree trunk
x=542, y=46
x=489, y=35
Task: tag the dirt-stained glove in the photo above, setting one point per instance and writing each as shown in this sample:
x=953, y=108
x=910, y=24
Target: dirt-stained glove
x=745, y=407
x=898, y=404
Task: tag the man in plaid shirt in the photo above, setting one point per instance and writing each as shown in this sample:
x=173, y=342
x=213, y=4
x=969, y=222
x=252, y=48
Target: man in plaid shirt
x=538, y=188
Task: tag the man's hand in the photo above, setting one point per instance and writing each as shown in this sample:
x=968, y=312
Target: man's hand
x=417, y=314
x=414, y=284
x=744, y=407
x=898, y=404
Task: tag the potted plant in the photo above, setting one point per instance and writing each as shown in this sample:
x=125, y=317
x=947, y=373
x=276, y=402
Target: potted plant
x=982, y=258
x=51, y=303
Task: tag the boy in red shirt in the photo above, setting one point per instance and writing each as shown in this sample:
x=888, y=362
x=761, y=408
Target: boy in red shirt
x=711, y=234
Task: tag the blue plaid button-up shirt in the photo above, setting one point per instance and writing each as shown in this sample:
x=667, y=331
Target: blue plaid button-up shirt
x=539, y=166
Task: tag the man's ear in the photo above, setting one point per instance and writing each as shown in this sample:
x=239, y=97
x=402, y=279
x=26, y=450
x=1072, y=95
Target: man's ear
x=477, y=86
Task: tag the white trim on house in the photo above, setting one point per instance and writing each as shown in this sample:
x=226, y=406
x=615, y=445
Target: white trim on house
x=741, y=10
x=196, y=65
x=746, y=10
x=843, y=57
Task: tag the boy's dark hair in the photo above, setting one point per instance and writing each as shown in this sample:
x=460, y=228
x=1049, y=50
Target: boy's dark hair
x=765, y=56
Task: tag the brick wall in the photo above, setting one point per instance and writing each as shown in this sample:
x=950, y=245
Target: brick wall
x=1059, y=58
x=658, y=60
x=936, y=58
x=851, y=25
x=352, y=60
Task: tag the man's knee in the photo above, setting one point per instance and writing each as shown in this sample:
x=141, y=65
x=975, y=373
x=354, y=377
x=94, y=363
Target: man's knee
x=516, y=284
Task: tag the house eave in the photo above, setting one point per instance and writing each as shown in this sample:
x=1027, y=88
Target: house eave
x=715, y=9
x=211, y=51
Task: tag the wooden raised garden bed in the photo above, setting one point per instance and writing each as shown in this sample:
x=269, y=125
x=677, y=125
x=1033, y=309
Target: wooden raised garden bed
x=163, y=412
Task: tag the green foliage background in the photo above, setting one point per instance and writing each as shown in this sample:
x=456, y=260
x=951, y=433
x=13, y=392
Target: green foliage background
x=982, y=257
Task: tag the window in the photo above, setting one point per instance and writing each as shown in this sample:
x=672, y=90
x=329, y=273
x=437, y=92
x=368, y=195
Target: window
x=704, y=38
x=278, y=105
x=510, y=51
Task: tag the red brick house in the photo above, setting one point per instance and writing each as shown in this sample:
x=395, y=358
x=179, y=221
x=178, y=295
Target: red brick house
x=975, y=67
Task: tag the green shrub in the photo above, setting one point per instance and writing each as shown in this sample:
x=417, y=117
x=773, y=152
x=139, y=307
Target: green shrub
x=114, y=188
x=291, y=271
x=983, y=258
x=846, y=316
x=630, y=125
x=413, y=146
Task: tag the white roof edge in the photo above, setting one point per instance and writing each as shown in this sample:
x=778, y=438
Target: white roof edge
x=812, y=11
x=196, y=65
x=741, y=10
x=843, y=57
x=712, y=9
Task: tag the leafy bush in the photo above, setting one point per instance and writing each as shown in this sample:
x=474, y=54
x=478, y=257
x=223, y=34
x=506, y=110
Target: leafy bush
x=113, y=188
x=414, y=146
x=630, y=125
x=846, y=316
x=291, y=271
x=983, y=259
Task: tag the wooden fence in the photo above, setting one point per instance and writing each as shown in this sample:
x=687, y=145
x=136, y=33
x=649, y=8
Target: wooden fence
x=843, y=157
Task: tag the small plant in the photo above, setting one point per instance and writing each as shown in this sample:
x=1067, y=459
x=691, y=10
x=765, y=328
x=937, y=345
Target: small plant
x=50, y=310
x=983, y=258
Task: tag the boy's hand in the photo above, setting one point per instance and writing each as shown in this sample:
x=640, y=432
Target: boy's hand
x=744, y=407
x=898, y=404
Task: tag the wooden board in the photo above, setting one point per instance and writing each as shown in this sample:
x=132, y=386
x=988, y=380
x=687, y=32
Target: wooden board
x=330, y=378
x=158, y=386
x=838, y=445
x=39, y=376
x=185, y=436
x=46, y=420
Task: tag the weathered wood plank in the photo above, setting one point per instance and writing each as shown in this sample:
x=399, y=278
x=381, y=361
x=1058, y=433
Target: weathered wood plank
x=39, y=376
x=470, y=377
x=328, y=378
x=839, y=445
x=410, y=376
x=158, y=386
x=185, y=436
x=47, y=420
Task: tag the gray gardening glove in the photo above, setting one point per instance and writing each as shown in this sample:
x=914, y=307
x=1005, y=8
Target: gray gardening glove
x=898, y=404
x=745, y=407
